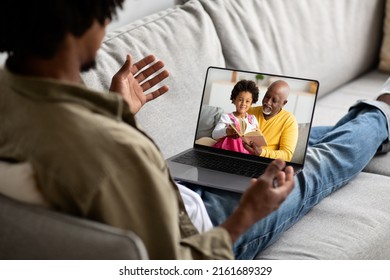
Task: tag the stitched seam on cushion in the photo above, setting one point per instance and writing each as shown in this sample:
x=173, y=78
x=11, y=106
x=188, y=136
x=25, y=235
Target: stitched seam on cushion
x=141, y=25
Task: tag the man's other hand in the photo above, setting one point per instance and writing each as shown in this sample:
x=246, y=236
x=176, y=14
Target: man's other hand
x=261, y=198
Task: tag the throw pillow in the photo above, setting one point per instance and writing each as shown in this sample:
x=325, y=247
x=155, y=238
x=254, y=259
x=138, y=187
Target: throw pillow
x=17, y=180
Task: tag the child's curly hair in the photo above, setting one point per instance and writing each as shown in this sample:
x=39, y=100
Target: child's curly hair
x=245, y=85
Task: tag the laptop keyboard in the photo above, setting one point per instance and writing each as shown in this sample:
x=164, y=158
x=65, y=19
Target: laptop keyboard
x=222, y=163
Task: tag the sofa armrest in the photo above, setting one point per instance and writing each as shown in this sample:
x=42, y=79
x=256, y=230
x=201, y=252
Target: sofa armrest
x=32, y=232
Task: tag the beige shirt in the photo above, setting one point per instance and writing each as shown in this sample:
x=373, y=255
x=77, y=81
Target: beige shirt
x=91, y=160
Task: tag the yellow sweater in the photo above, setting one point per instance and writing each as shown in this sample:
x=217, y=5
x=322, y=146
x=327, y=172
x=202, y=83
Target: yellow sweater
x=281, y=133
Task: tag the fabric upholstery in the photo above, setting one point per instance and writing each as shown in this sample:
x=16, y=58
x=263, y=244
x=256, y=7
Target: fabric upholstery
x=185, y=39
x=384, y=63
x=31, y=232
x=352, y=223
x=326, y=40
x=209, y=117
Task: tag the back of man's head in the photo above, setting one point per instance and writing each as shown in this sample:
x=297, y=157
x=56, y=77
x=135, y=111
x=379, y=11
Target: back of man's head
x=37, y=28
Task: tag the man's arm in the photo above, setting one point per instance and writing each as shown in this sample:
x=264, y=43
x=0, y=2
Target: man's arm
x=133, y=80
x=286, y=146
x=288, y=141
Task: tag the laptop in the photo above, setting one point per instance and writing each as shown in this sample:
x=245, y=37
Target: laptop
x=212, y=165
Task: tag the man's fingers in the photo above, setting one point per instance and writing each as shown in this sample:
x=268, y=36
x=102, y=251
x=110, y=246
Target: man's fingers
x=124, y=71
x=155, y=80
x=149, y=71
x=286, y=184
x=156, y=93
x=280, y=178
x=273, y=168
x=136, y=67
x=289, y=173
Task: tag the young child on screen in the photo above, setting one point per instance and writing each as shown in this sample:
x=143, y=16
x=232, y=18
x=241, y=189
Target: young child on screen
x=244, y=94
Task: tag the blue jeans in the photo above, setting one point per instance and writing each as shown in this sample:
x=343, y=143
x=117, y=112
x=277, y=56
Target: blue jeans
x=335, y=156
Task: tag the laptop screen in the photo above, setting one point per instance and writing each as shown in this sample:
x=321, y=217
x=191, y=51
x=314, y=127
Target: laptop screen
x=273, y=123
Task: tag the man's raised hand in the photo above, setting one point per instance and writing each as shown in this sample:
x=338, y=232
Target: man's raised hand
x=133, y=81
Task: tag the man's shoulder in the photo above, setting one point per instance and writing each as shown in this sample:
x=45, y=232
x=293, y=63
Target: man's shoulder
x=255, y=110
x=288, y=116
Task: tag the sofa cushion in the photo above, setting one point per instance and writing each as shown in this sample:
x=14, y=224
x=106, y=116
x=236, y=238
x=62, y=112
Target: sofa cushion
x=18, y=182
x=316, y=39
x=330, y=108
x=30, y=232
x=352, y=223
x=209, y=117
x=185, y=39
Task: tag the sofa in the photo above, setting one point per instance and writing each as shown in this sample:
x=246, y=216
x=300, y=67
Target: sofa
x=340, y=43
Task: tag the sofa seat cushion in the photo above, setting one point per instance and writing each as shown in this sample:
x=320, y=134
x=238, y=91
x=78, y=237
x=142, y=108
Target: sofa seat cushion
x=384, y=62
x=183, y=37
x=331, y=107
x=352, y=223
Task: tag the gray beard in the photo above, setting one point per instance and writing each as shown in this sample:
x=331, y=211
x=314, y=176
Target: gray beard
x=267, y=113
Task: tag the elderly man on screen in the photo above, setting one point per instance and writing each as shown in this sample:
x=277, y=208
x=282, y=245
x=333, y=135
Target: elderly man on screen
x=279, y=126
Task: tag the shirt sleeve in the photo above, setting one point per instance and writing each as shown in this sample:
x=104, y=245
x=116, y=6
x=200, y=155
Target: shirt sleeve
x=255, y=121
x=220, y=129
x=138, y=194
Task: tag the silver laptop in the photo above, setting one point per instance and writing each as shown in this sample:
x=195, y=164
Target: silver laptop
x=212, y=165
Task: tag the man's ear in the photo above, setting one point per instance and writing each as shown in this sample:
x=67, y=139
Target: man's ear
x=285, y=102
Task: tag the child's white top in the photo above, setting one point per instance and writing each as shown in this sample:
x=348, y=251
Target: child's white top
x=220, y=129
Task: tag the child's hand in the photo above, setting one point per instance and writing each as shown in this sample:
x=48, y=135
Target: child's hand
x=230, y=132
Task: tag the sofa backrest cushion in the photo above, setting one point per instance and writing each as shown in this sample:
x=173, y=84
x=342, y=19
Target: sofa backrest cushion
x=331, y=41
x=209, y=117
x=185, y=39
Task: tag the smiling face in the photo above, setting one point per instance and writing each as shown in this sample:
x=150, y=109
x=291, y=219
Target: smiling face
x=275, y=98
x=243, y=102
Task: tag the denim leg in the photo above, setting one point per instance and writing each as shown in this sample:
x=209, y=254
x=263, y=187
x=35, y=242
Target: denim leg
x=336, y=155
x=317, y=133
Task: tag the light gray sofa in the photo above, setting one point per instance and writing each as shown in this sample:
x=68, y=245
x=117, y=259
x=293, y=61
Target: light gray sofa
x=334, y=41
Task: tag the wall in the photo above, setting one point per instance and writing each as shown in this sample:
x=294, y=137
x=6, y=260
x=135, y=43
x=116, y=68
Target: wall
x=219, y=86
x=135, y=9
x=132, y=10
